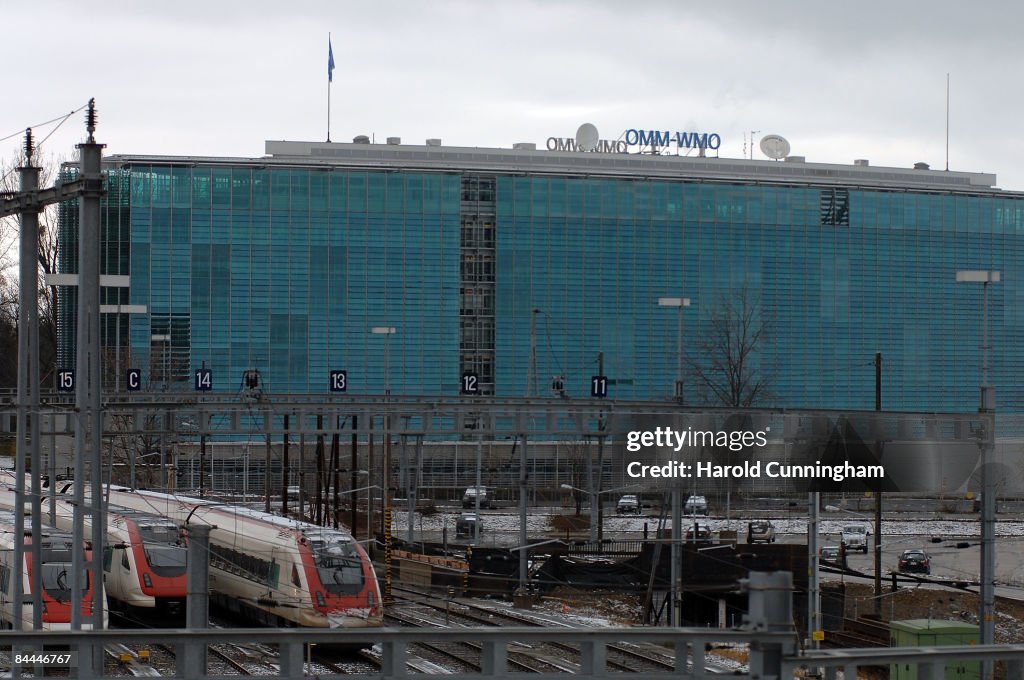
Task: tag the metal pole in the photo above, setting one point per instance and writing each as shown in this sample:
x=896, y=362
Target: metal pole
x=674, y=610
x=814, y=592
x=988, y=491
x=197, y=605
x=28, y=392
x=479, y=464
x=878, y=497
x=524, y=551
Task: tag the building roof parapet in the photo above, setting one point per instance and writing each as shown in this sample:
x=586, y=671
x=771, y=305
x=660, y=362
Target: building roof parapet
x=572, y=163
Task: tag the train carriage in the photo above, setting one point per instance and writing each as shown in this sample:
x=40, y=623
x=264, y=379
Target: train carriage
x=144, y=560
x=274, y=570
x=55, y=568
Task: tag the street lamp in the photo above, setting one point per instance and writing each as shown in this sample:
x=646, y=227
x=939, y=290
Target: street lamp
x=354, y=500
x=679, y=303
x=987, y=408
x=595, y=502
x=677, y=507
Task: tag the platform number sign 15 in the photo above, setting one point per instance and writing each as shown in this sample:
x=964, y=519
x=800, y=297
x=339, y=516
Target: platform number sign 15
x=339, y=381
x=470, y=383
x=66, y=380
x=599, y=386
x=204, y=380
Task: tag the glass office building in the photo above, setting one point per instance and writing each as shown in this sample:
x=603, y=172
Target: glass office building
x=523, y=265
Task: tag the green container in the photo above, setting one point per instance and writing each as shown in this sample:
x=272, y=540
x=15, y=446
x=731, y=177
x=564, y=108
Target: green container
x=934, y=633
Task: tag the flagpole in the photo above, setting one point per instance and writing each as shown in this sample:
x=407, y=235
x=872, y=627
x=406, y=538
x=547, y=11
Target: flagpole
x=330, y=65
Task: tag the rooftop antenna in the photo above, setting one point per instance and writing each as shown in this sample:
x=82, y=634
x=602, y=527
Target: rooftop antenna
x=752, y=133
x=947, y=121
x=775, y=146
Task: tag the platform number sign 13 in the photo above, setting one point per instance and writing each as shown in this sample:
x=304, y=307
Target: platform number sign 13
x=599, y=386
x=470, y=383
x=66, y=380
x=339, y=381
x=204, y=380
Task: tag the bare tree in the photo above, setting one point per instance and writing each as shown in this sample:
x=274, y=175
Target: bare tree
x=726, y=370
x=10, y=228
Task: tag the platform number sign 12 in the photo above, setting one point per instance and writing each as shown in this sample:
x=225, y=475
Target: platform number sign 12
x=470, y=383
x=599, y=386
x=339, y=381
x=66, y=381
x=204, y=379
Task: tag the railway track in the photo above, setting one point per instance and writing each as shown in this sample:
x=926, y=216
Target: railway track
x=619, y=657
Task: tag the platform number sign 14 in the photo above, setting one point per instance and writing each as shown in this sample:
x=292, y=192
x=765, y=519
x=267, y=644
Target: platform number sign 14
x=339, y=381
x=204, y=379
x=599, y=386
x=470, y=383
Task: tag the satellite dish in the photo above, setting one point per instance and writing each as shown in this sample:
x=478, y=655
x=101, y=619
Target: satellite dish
x=774, y=146
x=586, y=137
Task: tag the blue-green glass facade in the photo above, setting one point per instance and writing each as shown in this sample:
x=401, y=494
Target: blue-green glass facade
x=287, y=271
x=594, y=255
x=286, y=268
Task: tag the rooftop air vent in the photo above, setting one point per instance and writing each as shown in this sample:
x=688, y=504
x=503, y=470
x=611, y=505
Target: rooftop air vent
x=921, y=166
x=524, y=146
x=394, y=141
x=861, y=162
x=360, y=139
x=795, y=159
x=433, y=142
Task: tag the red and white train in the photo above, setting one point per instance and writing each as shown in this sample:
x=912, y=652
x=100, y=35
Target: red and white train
x=55, y=577
x=272, y=570
x=144, y=559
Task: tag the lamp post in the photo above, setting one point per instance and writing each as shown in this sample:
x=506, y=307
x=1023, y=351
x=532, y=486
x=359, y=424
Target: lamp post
x=387, y=332
x=368, y=518
x=679, y=303
x=987, y=408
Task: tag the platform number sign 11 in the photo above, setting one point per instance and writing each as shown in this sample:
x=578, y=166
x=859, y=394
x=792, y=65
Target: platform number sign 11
x=204, y=380
x=339, y=381
x=599, y=386
x=470, y=383
x=66, y=380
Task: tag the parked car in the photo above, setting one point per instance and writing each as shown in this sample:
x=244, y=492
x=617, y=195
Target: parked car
x=915, y=560
x=698, y=533
x=696, y=505
x=628, y=505
x=831, y=555
x=760, y=531
x=855, y=537
x=469, y=497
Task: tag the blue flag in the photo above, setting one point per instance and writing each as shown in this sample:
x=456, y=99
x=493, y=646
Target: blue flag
x=330, y=62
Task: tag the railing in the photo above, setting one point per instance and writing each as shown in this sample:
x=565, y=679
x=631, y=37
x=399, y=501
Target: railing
x=687, y=645
x=930, y=662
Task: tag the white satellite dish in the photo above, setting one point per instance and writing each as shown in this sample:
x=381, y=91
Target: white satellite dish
x=774, y=146
x=586, y=137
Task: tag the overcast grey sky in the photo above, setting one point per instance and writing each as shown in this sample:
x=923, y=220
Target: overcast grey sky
x=839, y=80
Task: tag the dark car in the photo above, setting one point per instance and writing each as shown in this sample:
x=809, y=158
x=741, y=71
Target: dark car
x=915, y=561
x=830, y=555
x=698, y=533
x=760, y=531
x=467, y=525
